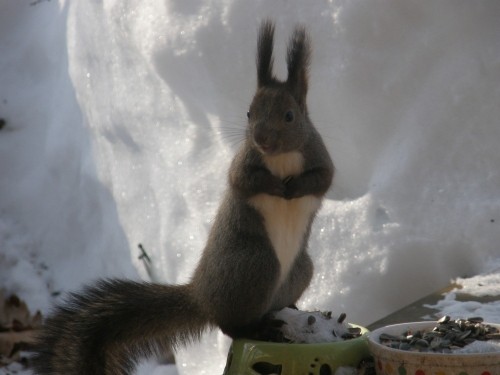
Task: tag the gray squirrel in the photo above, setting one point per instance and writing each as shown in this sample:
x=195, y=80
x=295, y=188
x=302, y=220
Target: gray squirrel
x=255, y=260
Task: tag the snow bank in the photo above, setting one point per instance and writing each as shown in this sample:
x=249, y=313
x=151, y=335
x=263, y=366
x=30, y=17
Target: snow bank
x=485, y=284
x=123, y=116
x=58, y=223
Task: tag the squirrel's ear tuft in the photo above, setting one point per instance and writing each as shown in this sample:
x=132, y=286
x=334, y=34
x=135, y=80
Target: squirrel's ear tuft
x=298, y=58
x=265, y=58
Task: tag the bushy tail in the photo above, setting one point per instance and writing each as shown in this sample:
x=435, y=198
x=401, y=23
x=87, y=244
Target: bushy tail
x=109, y=326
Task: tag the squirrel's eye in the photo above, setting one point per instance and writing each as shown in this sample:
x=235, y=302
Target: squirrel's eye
x=289, y=116
x=248, y=114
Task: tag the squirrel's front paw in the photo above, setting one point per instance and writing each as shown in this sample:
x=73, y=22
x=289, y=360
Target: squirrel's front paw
x=276, y=187
x=291, y=188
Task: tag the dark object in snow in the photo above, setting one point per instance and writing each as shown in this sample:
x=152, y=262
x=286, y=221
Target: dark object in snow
x=311, y=320
x=148, y=263
x=341, y=318
x=2, y=123
x=276, y=183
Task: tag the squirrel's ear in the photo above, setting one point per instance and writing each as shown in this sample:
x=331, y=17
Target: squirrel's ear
x=298, y=57
x=265, y=53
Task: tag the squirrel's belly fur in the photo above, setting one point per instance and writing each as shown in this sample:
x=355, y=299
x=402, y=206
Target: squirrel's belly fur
x=286, y=221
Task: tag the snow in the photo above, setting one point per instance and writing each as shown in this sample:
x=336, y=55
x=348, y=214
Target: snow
x=479, y=347
x=489, y=311
x=310, y=326
x=484, y=284
x=122, y=117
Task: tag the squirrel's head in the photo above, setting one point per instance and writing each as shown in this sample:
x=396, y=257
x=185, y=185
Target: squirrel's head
x=277, y=119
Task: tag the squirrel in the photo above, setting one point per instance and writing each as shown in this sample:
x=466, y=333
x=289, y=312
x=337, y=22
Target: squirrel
x=255, y=260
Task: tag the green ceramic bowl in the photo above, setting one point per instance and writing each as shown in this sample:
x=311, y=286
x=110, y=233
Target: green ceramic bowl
x=248, y=357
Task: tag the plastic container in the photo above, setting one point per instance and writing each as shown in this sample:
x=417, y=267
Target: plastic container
x=248, y=357
x=390, y=361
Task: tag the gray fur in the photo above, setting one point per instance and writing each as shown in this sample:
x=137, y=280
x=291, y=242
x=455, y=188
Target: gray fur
x=107, y=327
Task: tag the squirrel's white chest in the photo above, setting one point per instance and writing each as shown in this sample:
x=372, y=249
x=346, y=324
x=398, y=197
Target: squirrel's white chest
x=286, y=221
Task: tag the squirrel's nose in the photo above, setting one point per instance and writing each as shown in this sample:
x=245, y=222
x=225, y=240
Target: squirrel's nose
x=264, y=137
x=261, y=140
x=265, y=143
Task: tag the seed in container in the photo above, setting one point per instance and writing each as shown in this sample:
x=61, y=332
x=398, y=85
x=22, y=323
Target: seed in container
x=448, y=336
